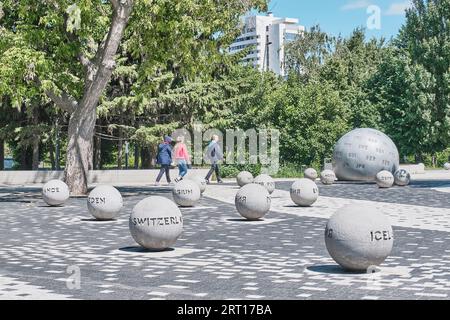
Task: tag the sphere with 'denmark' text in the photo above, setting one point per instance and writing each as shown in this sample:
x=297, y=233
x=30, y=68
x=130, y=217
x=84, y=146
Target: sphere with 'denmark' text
x=358, y=237
x=105, y=202
x=156, y=223
x=55, y=193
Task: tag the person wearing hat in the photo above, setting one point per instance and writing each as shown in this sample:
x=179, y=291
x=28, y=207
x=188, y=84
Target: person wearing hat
x=164, y=158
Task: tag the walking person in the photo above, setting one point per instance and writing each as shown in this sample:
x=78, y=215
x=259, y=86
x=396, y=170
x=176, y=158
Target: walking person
x=214, y=154
x=164, y=158
x=182, y=158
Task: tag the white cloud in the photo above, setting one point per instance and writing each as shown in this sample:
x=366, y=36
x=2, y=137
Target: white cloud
x=355, y=5
x=398, y=9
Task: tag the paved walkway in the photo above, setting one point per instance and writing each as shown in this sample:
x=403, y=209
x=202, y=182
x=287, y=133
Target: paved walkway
x=221, y=256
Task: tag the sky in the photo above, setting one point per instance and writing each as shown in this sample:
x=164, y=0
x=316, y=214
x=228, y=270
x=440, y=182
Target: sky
x=384, y=19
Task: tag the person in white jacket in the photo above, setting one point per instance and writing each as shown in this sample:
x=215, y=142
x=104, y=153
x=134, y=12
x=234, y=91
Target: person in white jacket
x=214, y=154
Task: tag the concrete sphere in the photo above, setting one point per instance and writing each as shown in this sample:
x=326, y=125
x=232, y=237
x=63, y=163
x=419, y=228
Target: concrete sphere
x=105, y=202
x=244, y=178
x=304, y=192
x=266, y=181
x=447, y=166
x=311, y=174
x=327, y=177
x=384, y=179
x=55, y=193
x=186, y=193
x=156, y=223
x=362, y=153
x=402, y=177
x=201, y=182
x=358, y=237
x=253, y=201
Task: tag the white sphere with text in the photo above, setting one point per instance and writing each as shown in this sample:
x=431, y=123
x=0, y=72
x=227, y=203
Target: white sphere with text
x=156, y=223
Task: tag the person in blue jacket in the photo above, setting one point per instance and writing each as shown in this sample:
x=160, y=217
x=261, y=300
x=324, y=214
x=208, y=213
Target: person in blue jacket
x=164, y=158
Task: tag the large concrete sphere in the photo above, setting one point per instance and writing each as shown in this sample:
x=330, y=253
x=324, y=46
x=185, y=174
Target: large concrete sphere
x=55, y=193
x=253, y=201
x=186, y=193
x=311, y=174
x=156, y=223
x=105, y=202
x=447, y=166
x=304, y=192
x=402, y=177
x=384, y=179
x=362, y=153
x=201, y=182
x=244, y=178
x=327, y=177
x=358, y=237
x=266, y=181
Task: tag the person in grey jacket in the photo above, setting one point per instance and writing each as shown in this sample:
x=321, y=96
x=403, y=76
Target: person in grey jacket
x=214, y=154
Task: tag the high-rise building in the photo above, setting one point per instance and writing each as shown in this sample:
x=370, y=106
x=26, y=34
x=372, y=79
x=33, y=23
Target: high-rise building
x=267, y=36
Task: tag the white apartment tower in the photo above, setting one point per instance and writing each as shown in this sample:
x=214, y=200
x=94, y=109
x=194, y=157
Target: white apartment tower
x=267, y=35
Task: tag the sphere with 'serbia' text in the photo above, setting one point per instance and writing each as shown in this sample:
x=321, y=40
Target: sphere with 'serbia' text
x=186, y=193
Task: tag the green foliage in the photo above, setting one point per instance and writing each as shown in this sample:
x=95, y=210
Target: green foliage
x=425, y=37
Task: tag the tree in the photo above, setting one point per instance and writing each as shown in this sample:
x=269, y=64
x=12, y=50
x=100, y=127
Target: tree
x=426, y=38
x=311, y=118
x=402, y=92
x=69, y=49
x=307, y=53
x=348, y=69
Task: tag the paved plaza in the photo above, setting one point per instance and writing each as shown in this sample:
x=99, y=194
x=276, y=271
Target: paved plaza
x=220, y=255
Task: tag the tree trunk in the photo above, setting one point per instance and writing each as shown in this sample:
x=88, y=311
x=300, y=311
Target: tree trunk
x=25, y=157
x=35, y=162
x=79, y=148
x=136, y=156
x=52, y=155
x=97, y=153
x=83, y=114
x=146, y=160
x=119, y=151
x=2, y=155
x=57, y=149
